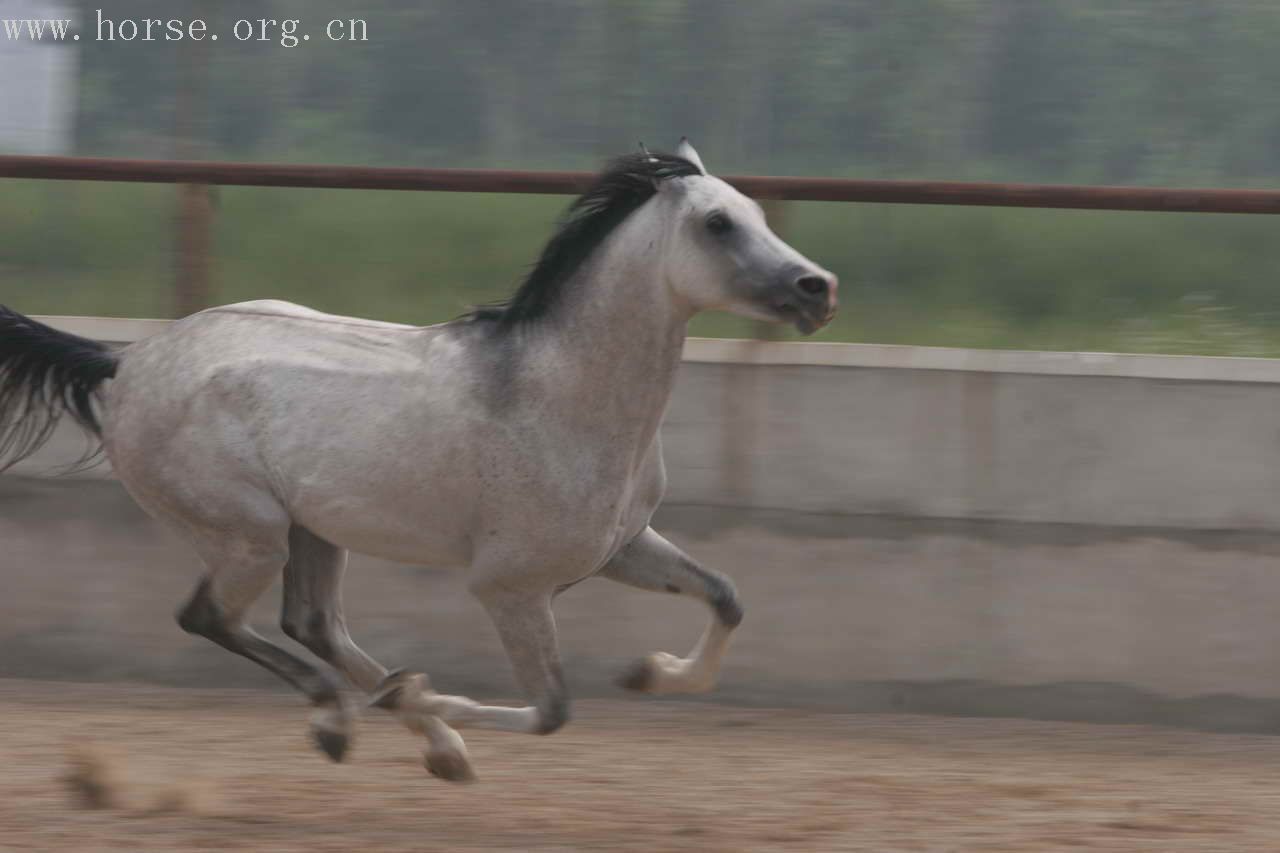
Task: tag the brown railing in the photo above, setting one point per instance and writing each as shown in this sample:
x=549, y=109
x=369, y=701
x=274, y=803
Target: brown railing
x=512, y=181
x=193, y=288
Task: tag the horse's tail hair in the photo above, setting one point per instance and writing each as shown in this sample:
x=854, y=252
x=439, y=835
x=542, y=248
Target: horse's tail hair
x=44, y=374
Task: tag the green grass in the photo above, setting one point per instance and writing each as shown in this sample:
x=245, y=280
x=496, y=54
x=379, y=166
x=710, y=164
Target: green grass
x=910, y=275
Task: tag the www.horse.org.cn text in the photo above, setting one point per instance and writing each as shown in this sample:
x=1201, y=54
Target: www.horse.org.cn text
x=286, y=32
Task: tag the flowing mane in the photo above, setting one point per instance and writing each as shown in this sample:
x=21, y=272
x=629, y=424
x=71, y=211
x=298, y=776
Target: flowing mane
x=626, y=183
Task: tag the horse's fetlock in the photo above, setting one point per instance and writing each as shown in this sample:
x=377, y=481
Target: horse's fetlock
x=387, y=699
x=391, y=691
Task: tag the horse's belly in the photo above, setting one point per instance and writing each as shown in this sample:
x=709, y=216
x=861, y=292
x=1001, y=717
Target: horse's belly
x=391, y=536
x=408, y=513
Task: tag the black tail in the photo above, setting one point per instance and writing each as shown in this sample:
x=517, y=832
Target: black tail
x=44, y=374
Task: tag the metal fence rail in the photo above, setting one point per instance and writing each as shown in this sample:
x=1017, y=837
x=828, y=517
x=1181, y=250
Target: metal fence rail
x=513, y=181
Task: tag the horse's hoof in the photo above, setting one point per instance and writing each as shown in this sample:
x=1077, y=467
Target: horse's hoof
x=450, y=766
x=638, y=676
x=331, y=730
x=334, y=744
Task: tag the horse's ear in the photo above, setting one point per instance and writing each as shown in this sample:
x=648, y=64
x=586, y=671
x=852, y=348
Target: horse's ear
x=685, y=150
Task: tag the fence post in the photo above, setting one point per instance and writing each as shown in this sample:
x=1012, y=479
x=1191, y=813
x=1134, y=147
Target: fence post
x=743, y=403
x=775, y=211
x=192, y=287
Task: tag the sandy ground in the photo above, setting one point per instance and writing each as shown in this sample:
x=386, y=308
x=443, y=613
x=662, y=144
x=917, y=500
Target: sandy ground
x=238, y=773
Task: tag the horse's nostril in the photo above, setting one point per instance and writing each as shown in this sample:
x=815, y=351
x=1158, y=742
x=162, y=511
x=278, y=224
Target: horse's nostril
x=812, y=285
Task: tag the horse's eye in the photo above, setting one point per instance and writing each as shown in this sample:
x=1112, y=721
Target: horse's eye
x=718, y=223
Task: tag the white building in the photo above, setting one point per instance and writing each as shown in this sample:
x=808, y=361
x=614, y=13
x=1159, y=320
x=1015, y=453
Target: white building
x=38, y=92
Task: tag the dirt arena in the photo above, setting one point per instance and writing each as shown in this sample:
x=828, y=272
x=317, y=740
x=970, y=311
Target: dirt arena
x=232, y=770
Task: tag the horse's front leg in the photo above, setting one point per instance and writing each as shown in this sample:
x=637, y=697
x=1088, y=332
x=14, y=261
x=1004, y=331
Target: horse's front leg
x=651, y=562
x=528, y=633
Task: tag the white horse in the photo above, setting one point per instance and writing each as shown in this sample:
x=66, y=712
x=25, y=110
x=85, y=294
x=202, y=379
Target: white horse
x=519, y=442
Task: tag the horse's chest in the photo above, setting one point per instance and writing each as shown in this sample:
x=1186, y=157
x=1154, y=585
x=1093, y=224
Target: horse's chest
x=595, y=491
x=590, y=503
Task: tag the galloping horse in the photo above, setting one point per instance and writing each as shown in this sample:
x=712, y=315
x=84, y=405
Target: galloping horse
x=519, y=441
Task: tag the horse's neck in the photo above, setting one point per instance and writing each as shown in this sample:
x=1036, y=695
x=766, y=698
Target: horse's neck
x=619, y=336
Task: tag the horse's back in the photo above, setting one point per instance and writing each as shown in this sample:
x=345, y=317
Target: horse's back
x=311, y=410
x=253, y=356
x=280, y=309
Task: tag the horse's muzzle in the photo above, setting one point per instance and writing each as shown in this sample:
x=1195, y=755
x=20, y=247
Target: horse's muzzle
x=808, y=301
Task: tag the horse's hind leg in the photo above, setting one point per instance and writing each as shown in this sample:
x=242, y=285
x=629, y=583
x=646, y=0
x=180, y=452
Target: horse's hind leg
x=312, y=615
x=312, y=609
x=239, y=572
x=651, y=562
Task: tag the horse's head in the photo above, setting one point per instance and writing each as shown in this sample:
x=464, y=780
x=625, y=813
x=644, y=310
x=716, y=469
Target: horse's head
x=724, y=257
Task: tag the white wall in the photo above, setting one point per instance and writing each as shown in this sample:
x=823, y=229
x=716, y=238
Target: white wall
x=1074, y=438
x=38, y=84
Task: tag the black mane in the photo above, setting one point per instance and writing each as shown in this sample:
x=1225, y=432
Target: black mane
x=626, y=183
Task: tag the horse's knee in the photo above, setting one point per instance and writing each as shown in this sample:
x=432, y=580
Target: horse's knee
x=552, y=715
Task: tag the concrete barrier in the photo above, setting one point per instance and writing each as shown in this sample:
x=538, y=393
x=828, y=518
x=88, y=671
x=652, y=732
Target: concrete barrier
x=1075, y=438
x=1059, y=535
